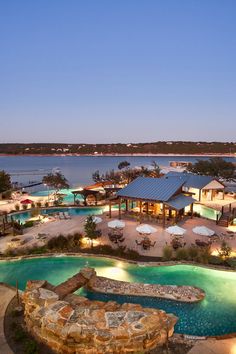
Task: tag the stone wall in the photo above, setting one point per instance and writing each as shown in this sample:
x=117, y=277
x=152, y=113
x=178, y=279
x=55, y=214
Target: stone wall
x=78, y=325
x=182, y=293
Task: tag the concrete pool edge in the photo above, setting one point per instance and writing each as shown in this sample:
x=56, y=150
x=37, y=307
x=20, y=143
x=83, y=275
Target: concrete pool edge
x=100, y=255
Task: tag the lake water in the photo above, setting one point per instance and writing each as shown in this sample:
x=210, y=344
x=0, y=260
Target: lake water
x=77, y=169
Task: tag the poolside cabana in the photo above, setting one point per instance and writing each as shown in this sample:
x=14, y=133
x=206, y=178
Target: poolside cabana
x=85, y=193
x=157, y=197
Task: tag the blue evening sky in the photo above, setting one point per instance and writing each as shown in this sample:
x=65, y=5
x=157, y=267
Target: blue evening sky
x=117, y=70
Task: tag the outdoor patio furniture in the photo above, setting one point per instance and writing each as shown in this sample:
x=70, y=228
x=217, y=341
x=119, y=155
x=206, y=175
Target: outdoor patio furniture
x=201, y=243
x=67, y=215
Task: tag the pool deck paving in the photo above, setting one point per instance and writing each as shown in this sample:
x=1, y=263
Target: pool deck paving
x=6, y=295
x=214, y=346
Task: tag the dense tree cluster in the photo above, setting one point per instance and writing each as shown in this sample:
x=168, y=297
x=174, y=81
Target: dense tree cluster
x=125, y=174
x=159, y=147
x=215, y=166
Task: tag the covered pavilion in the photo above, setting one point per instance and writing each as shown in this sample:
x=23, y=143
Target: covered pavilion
x=158, y=197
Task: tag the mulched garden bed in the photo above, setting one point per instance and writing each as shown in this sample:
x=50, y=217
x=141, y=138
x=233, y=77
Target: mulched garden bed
x=19, y=340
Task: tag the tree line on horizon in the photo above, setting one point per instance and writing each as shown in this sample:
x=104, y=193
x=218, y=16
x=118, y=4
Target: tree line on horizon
x=159, y=147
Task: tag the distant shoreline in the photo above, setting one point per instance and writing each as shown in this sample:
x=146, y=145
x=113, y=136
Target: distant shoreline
x=120, y=155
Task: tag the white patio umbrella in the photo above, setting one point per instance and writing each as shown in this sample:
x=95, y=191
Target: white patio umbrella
x=175, y=230
x=116, y=224
x=203, y=230
x=97, y=220
x=146, y=229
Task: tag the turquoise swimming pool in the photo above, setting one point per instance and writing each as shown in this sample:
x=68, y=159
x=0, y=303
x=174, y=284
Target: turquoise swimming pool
x=23, y=216
x=68, y=198
x=215, y=315
x=204, y=211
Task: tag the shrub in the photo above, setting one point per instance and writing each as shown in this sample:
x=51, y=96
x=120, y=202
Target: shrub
x=17, y=207
x=6, y=195
x=29, y=223
x=33, y=205
x=74, y=240
x=193, y=253
x=25, y=206
x=35, y=212
x=225, y=250
x=46, y=204
x=39, y=204
x=181, y=253
x=60, y=242
x=132, y=254
x=37, y=250
x=19, y=334
x=231, y=262
x=204, y=255
x=215, y=260
x=30, y=347
x=167, y=253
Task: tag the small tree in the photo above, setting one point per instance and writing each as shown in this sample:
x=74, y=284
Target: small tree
x=225, y=250
x=123, y=164
x=90, y=229
x=156, y=171
x=56, y=181
x=5, y=181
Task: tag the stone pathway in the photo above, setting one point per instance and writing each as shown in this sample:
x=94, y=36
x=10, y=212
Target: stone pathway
x=6, y=295
x=214, y=346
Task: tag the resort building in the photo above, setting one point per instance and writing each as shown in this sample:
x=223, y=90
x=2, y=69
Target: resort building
x=161, y=198
x=201, y=187
x=167, y=198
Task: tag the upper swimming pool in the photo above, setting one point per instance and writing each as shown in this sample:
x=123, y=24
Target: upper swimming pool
x=215, y=315
x=23, y=216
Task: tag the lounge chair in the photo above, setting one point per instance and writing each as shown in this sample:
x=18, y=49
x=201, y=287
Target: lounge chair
x=61, y=215
x=67, y=215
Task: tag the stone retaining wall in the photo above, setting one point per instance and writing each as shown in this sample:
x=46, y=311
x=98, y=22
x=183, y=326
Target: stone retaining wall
x=78, y=325
x=172, y=292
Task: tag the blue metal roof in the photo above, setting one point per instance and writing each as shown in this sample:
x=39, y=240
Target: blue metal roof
x=156, y=189
x=180, y=201
x=191, y=180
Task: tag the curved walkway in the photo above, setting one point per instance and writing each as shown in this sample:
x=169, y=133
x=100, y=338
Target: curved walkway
x=6, y=295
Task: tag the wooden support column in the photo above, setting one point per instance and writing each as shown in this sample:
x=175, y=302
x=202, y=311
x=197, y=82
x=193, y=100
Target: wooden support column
x=191, y=209
x=74, y=199
x=126, y=204
x=176, y=216
x=164, y=215
x=109, y=209
x=119, y=208
x=147, y=208
x=200, y=194
x=140, y=211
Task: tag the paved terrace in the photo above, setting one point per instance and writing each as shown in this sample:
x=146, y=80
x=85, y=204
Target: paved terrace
x=161, y=237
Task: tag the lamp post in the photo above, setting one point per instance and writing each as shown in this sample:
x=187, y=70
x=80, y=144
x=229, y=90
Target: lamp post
x=47, y=190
